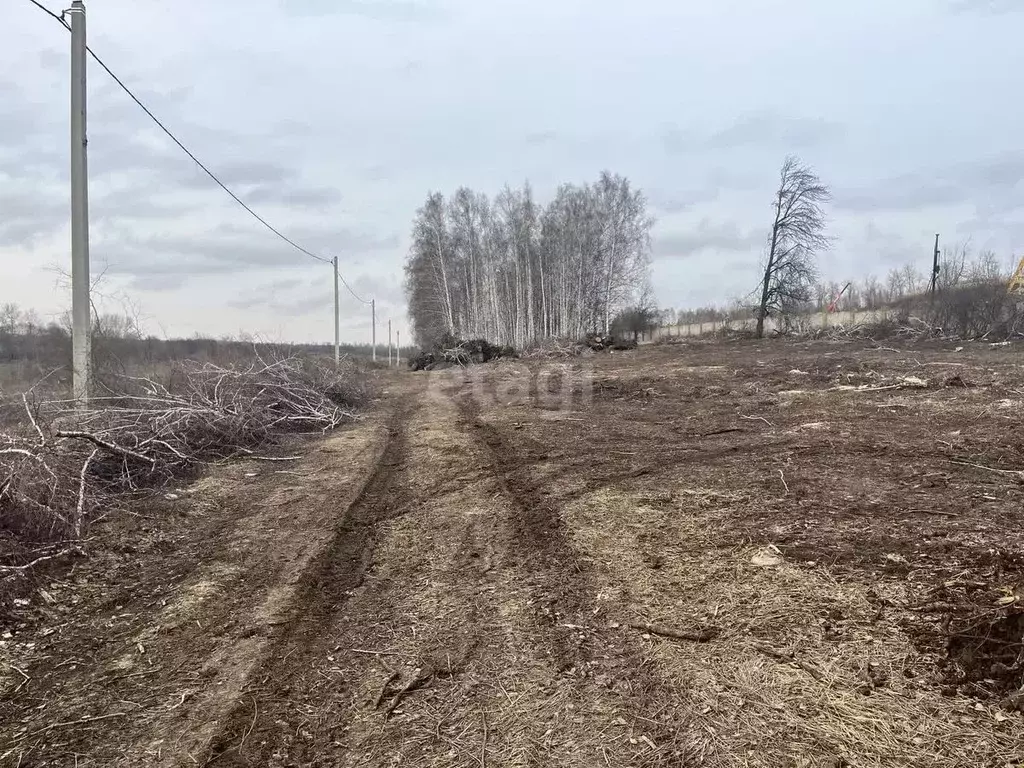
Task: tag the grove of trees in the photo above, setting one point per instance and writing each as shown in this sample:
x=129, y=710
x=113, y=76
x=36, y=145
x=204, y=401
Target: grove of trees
x=512, y=271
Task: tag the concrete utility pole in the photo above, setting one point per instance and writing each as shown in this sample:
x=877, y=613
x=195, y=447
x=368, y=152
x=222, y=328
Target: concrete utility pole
x=337, y=316
x=81, y=358
x=389, y=343
x=373, y=332
x=398, y=348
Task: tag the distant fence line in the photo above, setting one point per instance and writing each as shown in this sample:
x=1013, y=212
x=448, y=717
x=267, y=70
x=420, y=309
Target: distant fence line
x=812, y=320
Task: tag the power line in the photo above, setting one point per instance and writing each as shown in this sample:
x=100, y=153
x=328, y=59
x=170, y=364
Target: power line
x=196, y=160
x=48, y=12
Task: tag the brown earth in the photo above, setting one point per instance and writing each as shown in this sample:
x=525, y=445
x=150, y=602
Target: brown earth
x=720, y=554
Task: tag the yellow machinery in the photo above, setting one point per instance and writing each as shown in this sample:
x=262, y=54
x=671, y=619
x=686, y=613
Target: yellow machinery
x=1017, y=281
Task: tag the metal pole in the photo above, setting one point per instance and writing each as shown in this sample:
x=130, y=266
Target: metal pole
x=373, y=337
x=337, y=316
x=935, y=266
x=389, y=343
x=81, y=356
x=398, y=349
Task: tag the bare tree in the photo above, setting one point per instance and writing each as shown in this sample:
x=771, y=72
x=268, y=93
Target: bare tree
x=896, y=285
x=798, y=233
x=871, y=292
x=10, y=317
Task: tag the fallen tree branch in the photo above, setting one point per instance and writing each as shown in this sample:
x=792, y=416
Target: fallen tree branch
x=26, y=566
x=80, y=507
x=807, y=667
x=702, y=635
x=111, y=447
x=419, y=680
x=384, y=690
x=1017, y=472
x=32, y=418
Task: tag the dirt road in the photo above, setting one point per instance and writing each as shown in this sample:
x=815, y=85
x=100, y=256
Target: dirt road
x=685, y=557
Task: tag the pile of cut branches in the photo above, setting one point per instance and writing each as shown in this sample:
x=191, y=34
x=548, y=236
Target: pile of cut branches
x=61, y=463
x=452, y=351
x=550, y=349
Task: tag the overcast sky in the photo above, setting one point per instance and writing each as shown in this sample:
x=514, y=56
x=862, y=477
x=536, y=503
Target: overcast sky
x=334, y=118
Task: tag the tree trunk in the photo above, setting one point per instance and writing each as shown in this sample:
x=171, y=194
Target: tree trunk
x=762, y=310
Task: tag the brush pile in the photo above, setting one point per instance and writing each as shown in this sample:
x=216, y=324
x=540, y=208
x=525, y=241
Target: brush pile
x=58, y=463
x=451, y=351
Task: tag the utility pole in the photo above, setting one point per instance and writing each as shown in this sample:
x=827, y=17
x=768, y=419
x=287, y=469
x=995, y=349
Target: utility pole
x=373, y=332
x=935, y=266
x=337, y=316
x=389, y=343
x=81, y=356
x=398, y=349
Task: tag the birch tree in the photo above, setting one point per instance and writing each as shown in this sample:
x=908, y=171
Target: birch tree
x=514, y=272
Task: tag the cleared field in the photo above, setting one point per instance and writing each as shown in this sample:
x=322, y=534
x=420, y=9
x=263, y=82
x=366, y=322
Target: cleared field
x=705, y=554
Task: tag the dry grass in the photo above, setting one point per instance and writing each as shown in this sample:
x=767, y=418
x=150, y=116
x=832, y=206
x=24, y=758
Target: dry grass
x=808, y=670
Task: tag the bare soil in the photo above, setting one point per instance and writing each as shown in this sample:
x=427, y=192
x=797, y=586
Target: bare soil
x=703, y=554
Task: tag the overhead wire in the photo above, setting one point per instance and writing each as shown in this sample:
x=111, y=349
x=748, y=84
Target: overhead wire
x=199, y=163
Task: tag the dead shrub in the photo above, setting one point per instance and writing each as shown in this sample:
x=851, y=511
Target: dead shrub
x=59, y=463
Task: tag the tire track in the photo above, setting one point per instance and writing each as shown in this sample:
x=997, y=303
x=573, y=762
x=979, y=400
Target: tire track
x=323, y=592
x=545, y=551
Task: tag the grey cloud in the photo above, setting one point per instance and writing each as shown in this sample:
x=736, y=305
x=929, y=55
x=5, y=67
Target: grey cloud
x=388, y=291
x=159, y=281
x=126, y=204
x=707, y=236
x=253, y=172
x=768, y=129
x=378, y=10
x=269, y=292
x=756, y=129
x=295, y=297
x=27, y=216
x=317, y=197
x=377, y=172
x=960, y=183
x=886, y=248
x=682, y=200
x=707, y=190
x=985, y=6
x=54, y=60
x=230, y=249
x=539, y=138
x=676, y=141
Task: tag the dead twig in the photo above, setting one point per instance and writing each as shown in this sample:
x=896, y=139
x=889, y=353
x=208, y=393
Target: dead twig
x=108, y=446
x=725, y=431
x=419, y=680
x=1017, y=472
x=785, y=485
x=807, y=667
x=702, y=635
x=384, y=690
x=255, y=713
x=757, y=418
x=483, y=746
x=80, y=721
x=80, y=507
x=32, y=418
x=23, y=683
x=38, y=560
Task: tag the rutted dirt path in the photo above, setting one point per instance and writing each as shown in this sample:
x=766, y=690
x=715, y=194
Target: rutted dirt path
x=433, y=611
x=472, y=635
